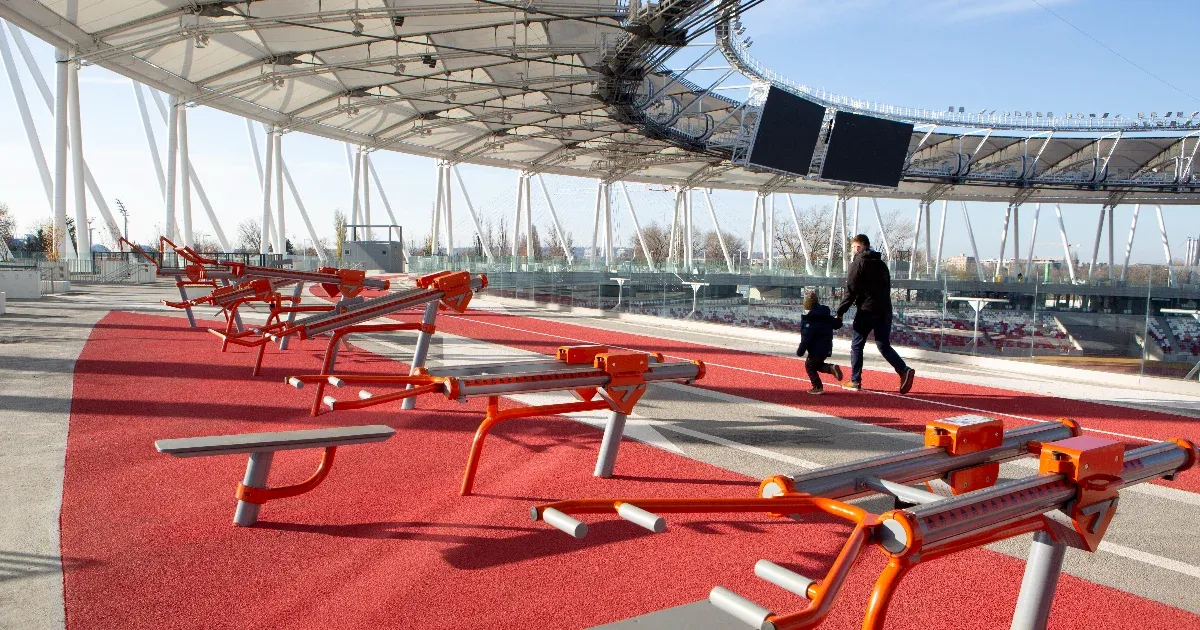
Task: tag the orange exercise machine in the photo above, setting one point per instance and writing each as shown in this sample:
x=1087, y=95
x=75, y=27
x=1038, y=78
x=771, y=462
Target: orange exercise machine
x=1070, y=502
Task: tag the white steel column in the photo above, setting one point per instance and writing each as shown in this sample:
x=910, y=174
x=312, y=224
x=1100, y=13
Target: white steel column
x=912, y=259
x=770, y=229
x=352, y=169
x=185, y=186
x=487, y=249
x=832, y=233
x=383, y=195
x=596, y=224
x=83, y=240
x=971, y=237
x=804, y=248
x=929, y=236
x=172, y=167
x=608, y=223
x=516, y=242
x=304, y=214
x=846, y=256
x=150, y=139
x=887, y=249
x=750, y=239
x=1062, y=232
x=689, y=246
x=1016, y=234
x=1137, y=208
x=1112, y=262
x=1037, y=211
x=62, y=239
x=562, y=237
x=280, y=226
x=1003, y=239
x=35, y=144
x=937, y=262
x=1162, y=228
x=763, y=229
x=531, y=249
x=355, y=204
x=366, y=192
x=1096, y=248
x=675, y=227
x=855, y=230
x=636, y=225
x=264, y=242
x=716, y=228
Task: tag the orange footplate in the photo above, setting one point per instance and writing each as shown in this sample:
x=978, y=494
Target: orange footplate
x=967, y=434
x=580, y=355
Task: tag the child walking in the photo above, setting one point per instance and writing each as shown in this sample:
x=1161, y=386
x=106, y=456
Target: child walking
x=816, y=338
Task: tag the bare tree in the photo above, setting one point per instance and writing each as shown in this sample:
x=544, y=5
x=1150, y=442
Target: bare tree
x=339, y=232
x=658, y=242
x=712, y=246
x=537, y=244
x=205, y=243
x=249, y=236
x=8, y=224
x=559, y=249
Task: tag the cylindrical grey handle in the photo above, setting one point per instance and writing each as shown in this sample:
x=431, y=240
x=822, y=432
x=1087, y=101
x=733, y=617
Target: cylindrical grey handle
x=740, y=608
x=295, y=382
x=335, y=381
x=640, y=517
x=789, y=581
x=364, y=394
x=564, y=523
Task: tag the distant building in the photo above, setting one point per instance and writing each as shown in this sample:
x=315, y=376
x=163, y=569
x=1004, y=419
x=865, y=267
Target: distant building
x=961, y=262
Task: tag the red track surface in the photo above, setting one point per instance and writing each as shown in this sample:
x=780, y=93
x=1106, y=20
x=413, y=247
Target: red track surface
x=387, y=542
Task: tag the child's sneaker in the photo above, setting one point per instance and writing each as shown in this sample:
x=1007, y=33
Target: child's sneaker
x=816, y=391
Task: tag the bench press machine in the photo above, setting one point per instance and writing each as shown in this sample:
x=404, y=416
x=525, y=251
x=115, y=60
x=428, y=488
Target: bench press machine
x=1070, y=502
x=443, y=290
x=597, y=378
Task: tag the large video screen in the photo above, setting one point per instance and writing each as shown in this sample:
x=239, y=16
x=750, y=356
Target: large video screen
x=787, y=133
x=866, y=150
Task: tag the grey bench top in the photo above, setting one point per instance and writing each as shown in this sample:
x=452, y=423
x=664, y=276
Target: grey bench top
x=277, y=441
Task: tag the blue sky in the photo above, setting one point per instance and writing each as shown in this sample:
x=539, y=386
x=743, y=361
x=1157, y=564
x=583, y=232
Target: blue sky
x=999, y=54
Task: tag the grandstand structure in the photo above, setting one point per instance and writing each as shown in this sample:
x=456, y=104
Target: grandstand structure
x=569, y=87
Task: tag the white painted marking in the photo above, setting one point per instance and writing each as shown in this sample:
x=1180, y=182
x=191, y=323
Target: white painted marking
x=1151, y=559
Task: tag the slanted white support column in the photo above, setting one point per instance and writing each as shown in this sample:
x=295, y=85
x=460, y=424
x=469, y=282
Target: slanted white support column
x=1037, y=211
x=937, y=262
x=753, y=226
x=35, y=144
x=770, y=233
x=366, y=192
x=153, y=142
x=675, y=228
x=516, y=245
x=596, y=225
x=763, y=230
x=562, y=237
x=388, y=206
x=609, y=257
x=280, y=224
x=83, y=240
x=887, y=249
x=971, y=237
x=912, y=259
x=61, y=132
x=689, y=243
x=487, y=249
x=1096, y=248
x=845, y=238
x=1003, y=239
x=352, y=166
x=264, y=242
x=1162, y=228
x=1016, y=234
x=304, y=214
x=929, y=236
x=185, y=184
x=530, y=247
x=712, y=214
x=1137, y=208
x=855, y=229
x=804, y=248
x=833, y=220
x=172, y=166
x=356, y=196
x=1062, y=232
x=1112, y=261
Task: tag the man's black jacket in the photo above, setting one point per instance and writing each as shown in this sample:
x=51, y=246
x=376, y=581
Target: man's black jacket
x=868, y=285
x=816, y=332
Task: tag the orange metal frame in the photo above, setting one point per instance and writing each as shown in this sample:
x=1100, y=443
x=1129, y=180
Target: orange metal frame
x=262, y=495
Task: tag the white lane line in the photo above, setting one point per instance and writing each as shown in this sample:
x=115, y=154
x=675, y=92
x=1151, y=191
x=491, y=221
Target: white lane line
x=805, y=379
x=745, y=448
x=1150, y=558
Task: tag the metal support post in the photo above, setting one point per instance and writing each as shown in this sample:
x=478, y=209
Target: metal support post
x=929, y=236
x=1003, y=240
x=150, y=140
x=1062, y=232
x=1016, y=234
x=689, y=247
x=269, y=226
x=845, y=238
x=1037, y=211
x=804, y=248
x=1137, y=208
x=832, y=233
x=608, y=223
x=383, y=195
x=35, y=144
x=356, y=195
x=487, y=249
x=675, y=227
x=887, y=249
x=366, y=193
x=750, y=239
x=257, y=470
x=63, y=242
x=1042, y=569
x=855, y=230
x=596, y=224
x=1112, y=262
x=530, y=247
x=83, y=247
x=421, y=352
x=912, y=259
x=937, y=263
x=971, y=237
x=183, y=297
x=185, y=184
x=716, y=227
x=1162, y=228
x=192, y=177
x=763, y=229
x=609, y=445
x=280, y=225
x=562, y=238
x=636, y=225
x=296, y=293
x=516, y=247
x=771, y=229
x=1096, y=248
x=264, y=241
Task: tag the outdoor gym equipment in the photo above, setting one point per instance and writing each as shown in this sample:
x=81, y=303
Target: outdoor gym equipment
x=597, y=377
x=447, y=289
x=1070, y=502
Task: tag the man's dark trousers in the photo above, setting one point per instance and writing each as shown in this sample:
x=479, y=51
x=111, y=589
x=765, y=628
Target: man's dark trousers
x=881, y=326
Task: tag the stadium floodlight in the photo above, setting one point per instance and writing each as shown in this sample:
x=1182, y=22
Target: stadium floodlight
x=1141, y=115
x=951, y=109
x=1105, y=115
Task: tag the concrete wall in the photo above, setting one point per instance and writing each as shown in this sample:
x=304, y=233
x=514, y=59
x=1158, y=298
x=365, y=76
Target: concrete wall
x=21, y=284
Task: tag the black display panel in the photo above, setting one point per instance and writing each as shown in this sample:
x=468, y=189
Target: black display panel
x=866, y=150
x=787, y=133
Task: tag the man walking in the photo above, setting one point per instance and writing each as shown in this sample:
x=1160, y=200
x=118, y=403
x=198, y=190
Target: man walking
x=869, y=288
